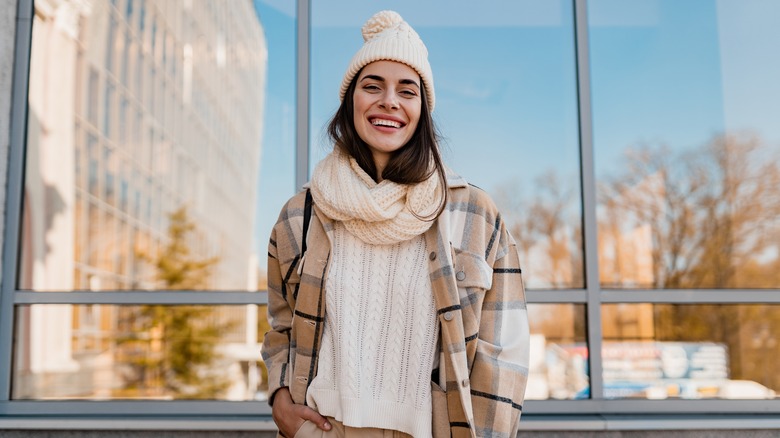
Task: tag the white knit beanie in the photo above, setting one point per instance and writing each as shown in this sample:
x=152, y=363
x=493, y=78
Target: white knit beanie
x=388, y=37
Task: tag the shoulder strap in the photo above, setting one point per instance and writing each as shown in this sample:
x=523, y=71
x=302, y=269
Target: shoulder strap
x=306, y=220
x=298, y=261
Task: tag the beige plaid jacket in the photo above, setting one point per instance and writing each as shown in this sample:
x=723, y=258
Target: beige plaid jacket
x=475, y=274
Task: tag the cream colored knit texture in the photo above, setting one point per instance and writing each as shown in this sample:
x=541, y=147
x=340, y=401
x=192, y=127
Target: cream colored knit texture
x=379, y=339
x=377, y=213
x=388, y=37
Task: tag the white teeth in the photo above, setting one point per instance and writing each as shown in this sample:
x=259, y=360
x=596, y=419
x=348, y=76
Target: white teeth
x=383, y=122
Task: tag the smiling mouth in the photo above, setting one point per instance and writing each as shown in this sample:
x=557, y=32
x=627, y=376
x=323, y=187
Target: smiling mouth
x=385, y=122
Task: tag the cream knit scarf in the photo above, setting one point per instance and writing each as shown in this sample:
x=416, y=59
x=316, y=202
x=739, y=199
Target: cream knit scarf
x=376, y=213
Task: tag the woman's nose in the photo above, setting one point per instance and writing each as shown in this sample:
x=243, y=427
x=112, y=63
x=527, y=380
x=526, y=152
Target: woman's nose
x=389, y=100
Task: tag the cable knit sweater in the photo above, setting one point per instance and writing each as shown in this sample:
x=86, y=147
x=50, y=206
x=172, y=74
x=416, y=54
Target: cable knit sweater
x=380, y=335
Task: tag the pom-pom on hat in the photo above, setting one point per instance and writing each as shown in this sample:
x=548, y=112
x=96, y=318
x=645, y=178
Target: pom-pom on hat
x=388, y=37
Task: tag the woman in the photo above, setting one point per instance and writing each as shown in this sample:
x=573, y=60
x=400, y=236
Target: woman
x=400, y=281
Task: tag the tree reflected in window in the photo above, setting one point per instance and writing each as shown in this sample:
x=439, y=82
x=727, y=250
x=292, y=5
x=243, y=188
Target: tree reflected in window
x=694, y=218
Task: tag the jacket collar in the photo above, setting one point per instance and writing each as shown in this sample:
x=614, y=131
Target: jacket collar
x=454, y=180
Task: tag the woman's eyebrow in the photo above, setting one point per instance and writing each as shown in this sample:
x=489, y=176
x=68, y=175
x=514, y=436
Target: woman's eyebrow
x=381, y=79
x=374, y=77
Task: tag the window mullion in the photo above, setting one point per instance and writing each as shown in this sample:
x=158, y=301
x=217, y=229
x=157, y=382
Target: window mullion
x=693, y=296
x=556, y=296
x=117, y=408
x=588, y=199
x=14, y=186
x=142, y=297
x=302, y=91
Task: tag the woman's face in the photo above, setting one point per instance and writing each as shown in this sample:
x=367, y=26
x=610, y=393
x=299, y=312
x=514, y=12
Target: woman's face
x=387, y=104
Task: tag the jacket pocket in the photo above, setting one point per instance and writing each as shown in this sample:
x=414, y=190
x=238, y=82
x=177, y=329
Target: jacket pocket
x=471, y=270
x=474, y=277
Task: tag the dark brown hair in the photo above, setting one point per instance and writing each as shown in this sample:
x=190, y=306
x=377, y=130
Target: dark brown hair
x=410, y=164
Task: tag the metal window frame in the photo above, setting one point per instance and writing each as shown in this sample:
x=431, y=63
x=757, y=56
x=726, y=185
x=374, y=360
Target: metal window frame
x=588, y=191
x=592, y=295
x=14, y=190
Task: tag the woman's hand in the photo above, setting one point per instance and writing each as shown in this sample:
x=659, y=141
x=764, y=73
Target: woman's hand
x=289, y=417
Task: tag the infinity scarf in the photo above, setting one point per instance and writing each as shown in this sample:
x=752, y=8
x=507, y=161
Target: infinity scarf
x=376, y=213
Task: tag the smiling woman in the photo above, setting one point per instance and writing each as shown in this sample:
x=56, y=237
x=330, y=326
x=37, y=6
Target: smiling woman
x=387, y=108
x=380, y=325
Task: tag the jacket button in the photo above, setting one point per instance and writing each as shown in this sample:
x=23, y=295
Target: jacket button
x=432, y=256
x=448, y=316
x=460, y=276
x=464, y=383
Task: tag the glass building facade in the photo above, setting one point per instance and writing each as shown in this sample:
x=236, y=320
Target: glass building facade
x=632, y=146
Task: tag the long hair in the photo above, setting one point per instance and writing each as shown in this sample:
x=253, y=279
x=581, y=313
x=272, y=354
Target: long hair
x=414, y=162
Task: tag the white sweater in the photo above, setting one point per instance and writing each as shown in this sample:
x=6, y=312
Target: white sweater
x=379, y=341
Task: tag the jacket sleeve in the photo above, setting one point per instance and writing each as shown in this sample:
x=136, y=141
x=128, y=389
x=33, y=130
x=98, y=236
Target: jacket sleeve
x=500, y=370
x=276, y=344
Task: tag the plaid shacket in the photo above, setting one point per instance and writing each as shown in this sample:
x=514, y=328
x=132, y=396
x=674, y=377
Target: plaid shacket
x=478, y=290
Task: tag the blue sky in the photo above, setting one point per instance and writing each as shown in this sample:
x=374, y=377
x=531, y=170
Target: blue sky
x=277, y=180
x=679, y=72
x=662, y=71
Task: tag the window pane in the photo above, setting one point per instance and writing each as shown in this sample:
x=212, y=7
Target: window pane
x=506, y=104
x=100, y=352
x=685, y=105
x=185, y=135
x=691, y=351
x=559, y=354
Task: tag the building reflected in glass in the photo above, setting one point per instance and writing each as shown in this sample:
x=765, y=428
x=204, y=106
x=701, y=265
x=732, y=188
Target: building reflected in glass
x=138, y=108
x=143, y=151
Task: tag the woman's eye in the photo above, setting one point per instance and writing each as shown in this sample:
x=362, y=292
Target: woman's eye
x=371, y=87
x=409, y=93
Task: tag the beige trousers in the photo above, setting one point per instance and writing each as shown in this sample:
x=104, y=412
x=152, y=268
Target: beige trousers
x=338, y=430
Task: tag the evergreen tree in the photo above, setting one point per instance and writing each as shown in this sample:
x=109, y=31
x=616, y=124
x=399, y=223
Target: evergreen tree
x=171, y=350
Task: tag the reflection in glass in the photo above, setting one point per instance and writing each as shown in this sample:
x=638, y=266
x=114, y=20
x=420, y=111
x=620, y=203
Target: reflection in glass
x=691, y=351
x=506, y=103
x=100, y=352
x=559, y=354
x=173, y=120
x=687, y=147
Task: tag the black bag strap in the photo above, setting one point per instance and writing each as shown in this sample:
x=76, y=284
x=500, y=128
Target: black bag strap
x=306, y=220
x=299, y=258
